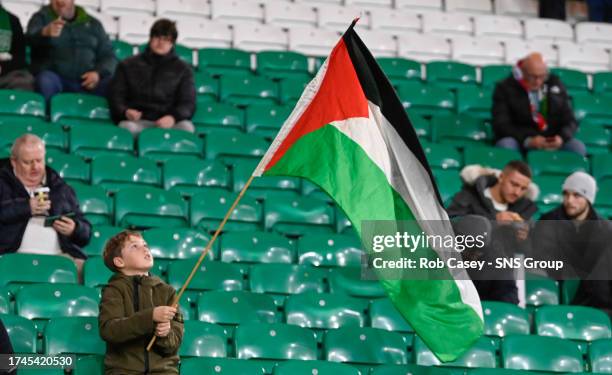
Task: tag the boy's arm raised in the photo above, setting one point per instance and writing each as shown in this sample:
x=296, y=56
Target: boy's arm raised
x=114, y=326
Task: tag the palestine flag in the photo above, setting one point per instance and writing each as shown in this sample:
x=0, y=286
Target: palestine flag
x=350, y=135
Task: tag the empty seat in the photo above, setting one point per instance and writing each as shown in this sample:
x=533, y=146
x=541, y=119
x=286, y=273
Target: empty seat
x=266, y=120
x=122, y=49
x=46, y=301
x=16, y=103
x=94, y=203
x=423, y=47
x=262, y=187
x=51, y=134
x=113, y=172
x=517, y=49
x=135, y=28
x=602, y=82
x=177, y=243
x=469, y=6
x=442, y=156
x=325, y=311
x=146, y=207
x=209, y=206
x=70, y=167
x=475, y=101
x=458, y=130
x=161, y=144
x=76, y=335
x=253, y=37
x=602, y=167
x=92, y=140
x=210, y=116
x=600, y=355
x=291, y=89
x=592, y=108
x=537, y=353
x=400, y=70
x=207, y=88
x=348, y=280
x=133, y=8
x=329, y=250
x=481, y=354
x=548, y=29
x=425, y=100
x=202, y=339
x=21, y=332
x=256, y=247
x=491, y=74
x=370, y=3
x=95, y=273
x=214, y=366
x=585, y=58
x=594, y=33
x=498, y=27
x=282, y=64
x=337, y=17
x=450, y=74
x=99, y=235
x=365, y=345
x=572, y=322
x=447, y=24
x=556, y=162
x=494, y=157
x=434, y=5
x=67, y=106
x=283, y=279
x=314, y=367
x=19, y=268
x=380, y=43
x=541, y=290
x=517, y=8
x=188, y=176
x=478, y=51
x=236, y=12
x=574, y=80
x=384, y=315
x=503, y=319
x=236, y=307
x=181, y=9
x=286, y=14
x=274, y=341
x=298, y=216
x=595, y=138
x=243, y=91
x=312, y=42
x=204, y=33
x=395, y=21
x=210, y=276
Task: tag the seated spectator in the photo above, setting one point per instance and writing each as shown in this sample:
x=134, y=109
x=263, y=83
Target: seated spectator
x=70, y=50
x=31, y=192
x=499, y=206
x=600, y=10
x=154, y=88
x=13, y=72
x=580, y=237
x=532, y=111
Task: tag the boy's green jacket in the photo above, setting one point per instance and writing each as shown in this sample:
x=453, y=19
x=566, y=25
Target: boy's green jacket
x=126, y=324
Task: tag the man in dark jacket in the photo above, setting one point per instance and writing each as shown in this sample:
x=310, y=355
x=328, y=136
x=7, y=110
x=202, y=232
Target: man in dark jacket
x=501, y=203
x=70, y=50
x=13, y=72
x=154, y=88
x=577, y=235
x=532, y=111
x=31, y=192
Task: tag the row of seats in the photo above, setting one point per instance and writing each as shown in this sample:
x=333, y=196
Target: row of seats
x=361, y=347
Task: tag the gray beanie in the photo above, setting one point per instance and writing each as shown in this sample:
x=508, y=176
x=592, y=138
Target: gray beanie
x=583, y=184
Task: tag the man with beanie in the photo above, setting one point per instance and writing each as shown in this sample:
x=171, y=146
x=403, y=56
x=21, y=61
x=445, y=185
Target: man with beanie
x=577, y=235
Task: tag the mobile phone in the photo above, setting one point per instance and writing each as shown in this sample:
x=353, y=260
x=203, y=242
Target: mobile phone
x=50, y=219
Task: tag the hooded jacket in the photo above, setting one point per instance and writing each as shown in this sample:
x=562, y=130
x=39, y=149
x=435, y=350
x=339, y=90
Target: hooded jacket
x=126, y=324
x=15, y=212
x=155, y=85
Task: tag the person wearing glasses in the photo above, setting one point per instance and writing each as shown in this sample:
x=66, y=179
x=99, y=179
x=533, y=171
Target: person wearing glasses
x=532, y=110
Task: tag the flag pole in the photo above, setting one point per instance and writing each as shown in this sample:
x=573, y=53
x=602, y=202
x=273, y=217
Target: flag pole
x=178, y=296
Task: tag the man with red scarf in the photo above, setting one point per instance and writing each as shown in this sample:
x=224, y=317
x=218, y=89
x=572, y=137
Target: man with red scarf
x=532, y=111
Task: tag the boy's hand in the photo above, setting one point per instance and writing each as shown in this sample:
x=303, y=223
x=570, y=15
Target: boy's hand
x=163, y=314
x=162, y=329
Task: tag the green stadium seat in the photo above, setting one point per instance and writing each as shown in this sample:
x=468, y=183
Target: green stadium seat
x=574, y=80
x=400, y=70
x=256, y=247
x=24, y=104
x=208, y=208
x=80, y=106
x=556, y=163
x=421, y=126
x=475, y=101
x=95, y=203
x=537, y=353
x=282, y=64
x=266, y=120
x=202, y=339
x=348, y=280
x=177, y=243
x=188, y=176
x=244, y=91
x=314, y=367
x=442, y=156
x=122, y=49
x=5, y=301
x=602, y=82
x=161, y=144
x=551, y=194
x=210, y=276
x=236, y=307
x=604, y=199
x=114, y=172
x=412, y=369
x=89, y=365
x=291, y=89
x=226, y=147
x=46, y=301
x=146, y=207
x=425, y=100
x=541, y=290
x=491, y=74
x=365, y=346
x=207, y=87
x=450, y=74
x=325, y=311
x=600, y=356
x=211, y=116
x=330, y=250
x=95, y=273
x=594, y=108
x=221, y=61
x=568, y=291
x=76, y=335
x=458, y=130
x=20, y=268
x=99, y=235
x=384, y=315
x=51, y=134
x=503, y=319
x=70, y=167
x=298, y=216
x=183, y=52
x=602, y=167
x=274, y=341
x=260, y=186
x=596, y=139
x=572, y=322
x=215, y=366
x=448, y=182
x=22, y=333
x=481, y=354
x=93, y=140
x=283, y=279
x=493, y=157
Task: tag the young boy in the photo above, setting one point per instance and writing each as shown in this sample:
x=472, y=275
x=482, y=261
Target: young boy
x=134, y=307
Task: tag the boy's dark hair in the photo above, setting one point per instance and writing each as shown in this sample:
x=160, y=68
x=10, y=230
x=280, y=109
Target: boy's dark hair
x=164, y=27
x=519, y=166
x=113, y=246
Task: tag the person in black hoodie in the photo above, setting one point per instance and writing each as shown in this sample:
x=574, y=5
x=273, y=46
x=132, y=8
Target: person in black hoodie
x=154, y=88
x=29, y=193
x=13, y=72
x=531, y=110
x=577, y=235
